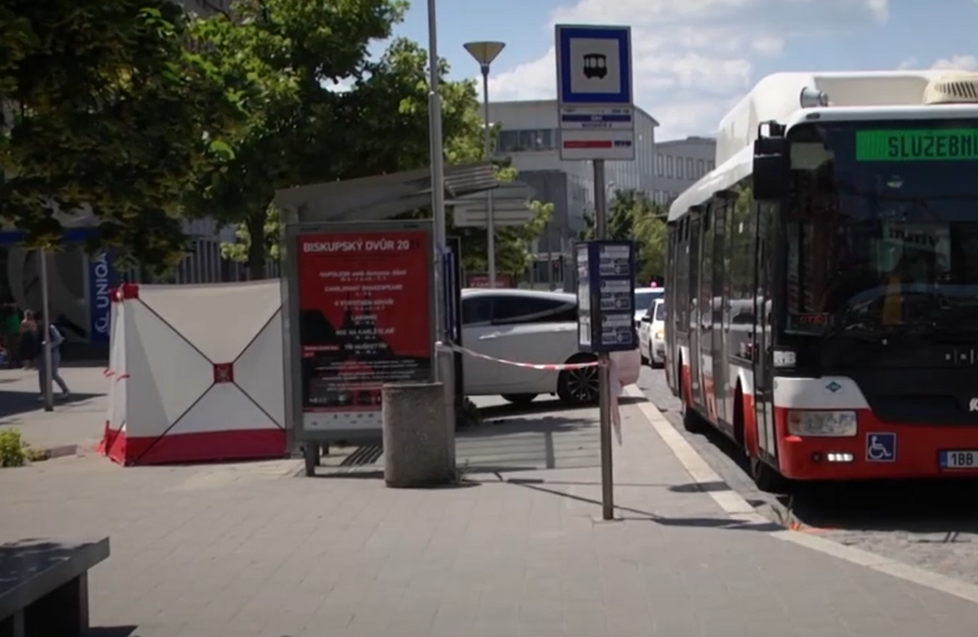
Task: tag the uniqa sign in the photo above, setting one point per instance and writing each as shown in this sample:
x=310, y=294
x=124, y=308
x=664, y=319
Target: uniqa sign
x=101, y=277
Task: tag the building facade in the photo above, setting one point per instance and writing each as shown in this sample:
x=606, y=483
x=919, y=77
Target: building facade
x=528, y=136
x=679, y=164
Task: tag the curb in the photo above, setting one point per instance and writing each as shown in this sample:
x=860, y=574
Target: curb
x=61, y=451
x=738, y=508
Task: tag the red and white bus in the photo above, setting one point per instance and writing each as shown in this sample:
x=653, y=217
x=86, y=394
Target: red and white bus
x=823, y=279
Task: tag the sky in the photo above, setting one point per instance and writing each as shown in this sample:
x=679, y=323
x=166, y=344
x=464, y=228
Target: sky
x=693, y=59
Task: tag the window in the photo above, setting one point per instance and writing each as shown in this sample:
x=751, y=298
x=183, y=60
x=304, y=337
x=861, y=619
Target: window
x=476, y=310
x=700, y=168
x=528, y=140
x=531, y=309
x=507, y=141
x=679, y=167
x=660, y=311
x=668, y=166
x=689, y=170
x=545, y=139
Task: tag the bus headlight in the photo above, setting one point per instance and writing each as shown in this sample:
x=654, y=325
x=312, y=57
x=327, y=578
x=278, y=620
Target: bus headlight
x=833, y=424
x=659, y=335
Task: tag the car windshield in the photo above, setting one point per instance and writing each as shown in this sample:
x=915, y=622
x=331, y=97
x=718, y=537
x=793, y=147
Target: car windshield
x=882, y=227
x=660, y=311
x=644, y=298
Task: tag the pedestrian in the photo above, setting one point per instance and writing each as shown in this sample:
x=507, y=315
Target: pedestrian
x=56, y=340
x=27, y=343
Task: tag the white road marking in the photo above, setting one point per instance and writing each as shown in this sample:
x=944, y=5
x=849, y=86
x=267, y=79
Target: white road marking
x=738, y=508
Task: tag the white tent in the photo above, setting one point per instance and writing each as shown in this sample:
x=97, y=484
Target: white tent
x=196, y=373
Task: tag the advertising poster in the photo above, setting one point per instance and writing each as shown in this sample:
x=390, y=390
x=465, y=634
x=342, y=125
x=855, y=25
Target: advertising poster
x=364, y=321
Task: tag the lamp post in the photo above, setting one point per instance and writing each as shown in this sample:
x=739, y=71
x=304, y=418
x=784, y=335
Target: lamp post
x=484, y=53
x=437, y=170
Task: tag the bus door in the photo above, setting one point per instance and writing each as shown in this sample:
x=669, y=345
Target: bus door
x=718, y=350
x=707, y=308
x=695, y=274
x=762, y=333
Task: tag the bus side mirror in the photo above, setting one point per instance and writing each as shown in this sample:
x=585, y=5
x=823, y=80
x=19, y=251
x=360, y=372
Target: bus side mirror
x=772, y=168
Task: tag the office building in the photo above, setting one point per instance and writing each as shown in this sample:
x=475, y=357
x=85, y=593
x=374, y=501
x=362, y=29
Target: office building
x=679, y=164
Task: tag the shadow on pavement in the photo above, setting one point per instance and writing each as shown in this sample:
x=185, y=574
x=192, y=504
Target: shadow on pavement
x=628, y=513
x=516, y=425
x=111, y=631
x=15, y=403
x=544, y=406
x=934, y=506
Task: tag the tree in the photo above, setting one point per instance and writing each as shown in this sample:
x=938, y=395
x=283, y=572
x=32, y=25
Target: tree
x=307, y=131
x=633, y=216
x=106, y=113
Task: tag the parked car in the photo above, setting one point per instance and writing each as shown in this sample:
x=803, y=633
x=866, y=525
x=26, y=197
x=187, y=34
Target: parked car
x=651, y=334
x=529, y=326
x=644, y=298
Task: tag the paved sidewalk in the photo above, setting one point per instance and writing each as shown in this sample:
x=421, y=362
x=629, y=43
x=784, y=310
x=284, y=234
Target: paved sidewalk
x=76, y=423
x=251, y=550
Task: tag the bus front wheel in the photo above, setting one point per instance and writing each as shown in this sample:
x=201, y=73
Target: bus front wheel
x=767, y=478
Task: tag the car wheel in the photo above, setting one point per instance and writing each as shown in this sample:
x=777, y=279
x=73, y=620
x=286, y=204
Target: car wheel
x=519, y=399
x=579, y=386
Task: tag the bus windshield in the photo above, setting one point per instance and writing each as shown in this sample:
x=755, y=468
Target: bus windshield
x=882, y=227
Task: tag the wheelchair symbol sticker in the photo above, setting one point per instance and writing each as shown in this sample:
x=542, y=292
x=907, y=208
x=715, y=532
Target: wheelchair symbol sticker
x=881, y=447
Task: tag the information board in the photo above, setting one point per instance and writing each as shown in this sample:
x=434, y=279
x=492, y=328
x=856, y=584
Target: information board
x=364, y=301
x=606, y=296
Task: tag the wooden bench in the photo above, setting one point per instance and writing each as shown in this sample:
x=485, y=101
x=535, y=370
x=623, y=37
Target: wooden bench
x=44, y=586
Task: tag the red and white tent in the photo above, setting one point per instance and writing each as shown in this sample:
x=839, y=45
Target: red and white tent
x=196, y=373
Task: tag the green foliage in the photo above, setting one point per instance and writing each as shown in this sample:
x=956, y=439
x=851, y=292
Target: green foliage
x=305, y=129
x=106, y=112
x=14, y=452
x=633, y=216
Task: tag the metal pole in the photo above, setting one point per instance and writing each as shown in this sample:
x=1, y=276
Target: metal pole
x=437, y=172
x=490, y=211
x=46, y=333
x=604, y=360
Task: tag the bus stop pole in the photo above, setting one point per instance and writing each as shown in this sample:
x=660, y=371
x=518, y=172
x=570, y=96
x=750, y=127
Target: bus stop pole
x=45, y=327
x=604, y=361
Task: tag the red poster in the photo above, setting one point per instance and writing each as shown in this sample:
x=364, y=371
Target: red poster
x=364, y=316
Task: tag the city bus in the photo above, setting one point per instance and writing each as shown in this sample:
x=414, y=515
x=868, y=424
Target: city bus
x=822, y=281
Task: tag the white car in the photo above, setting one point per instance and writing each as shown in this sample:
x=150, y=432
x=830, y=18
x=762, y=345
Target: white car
x=651, y=334
x=643, y=301
x=528, y=326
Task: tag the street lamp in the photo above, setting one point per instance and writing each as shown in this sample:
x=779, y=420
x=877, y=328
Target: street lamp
x=436, y=144
x=484, y=53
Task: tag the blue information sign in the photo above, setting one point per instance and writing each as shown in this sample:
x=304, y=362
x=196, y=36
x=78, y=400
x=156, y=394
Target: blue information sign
x=606, y=296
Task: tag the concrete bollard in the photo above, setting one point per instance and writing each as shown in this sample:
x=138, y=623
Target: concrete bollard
x=419, y=446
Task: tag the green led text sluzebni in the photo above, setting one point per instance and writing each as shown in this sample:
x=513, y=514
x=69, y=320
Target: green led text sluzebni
x=946, y=144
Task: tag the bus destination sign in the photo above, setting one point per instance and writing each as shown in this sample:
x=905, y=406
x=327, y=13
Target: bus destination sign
x=945, y=144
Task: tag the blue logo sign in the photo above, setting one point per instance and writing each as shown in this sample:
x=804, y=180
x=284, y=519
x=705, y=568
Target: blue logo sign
x=881, y=447
x=102, y=278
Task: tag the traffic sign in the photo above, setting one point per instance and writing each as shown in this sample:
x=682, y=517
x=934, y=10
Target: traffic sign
x=594, y=93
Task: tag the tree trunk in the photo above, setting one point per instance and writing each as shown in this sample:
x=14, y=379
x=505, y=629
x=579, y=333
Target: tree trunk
x=256, y=245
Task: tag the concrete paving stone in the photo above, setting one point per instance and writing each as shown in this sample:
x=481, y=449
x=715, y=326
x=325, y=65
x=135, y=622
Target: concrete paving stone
x=227, y=550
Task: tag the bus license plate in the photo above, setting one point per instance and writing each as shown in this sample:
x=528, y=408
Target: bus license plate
x=959, y=459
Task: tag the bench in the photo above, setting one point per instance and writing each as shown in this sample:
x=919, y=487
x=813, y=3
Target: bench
x=44, y=586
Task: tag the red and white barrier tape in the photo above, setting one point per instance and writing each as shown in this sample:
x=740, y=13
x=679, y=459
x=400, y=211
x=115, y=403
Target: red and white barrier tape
x=545, y=367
